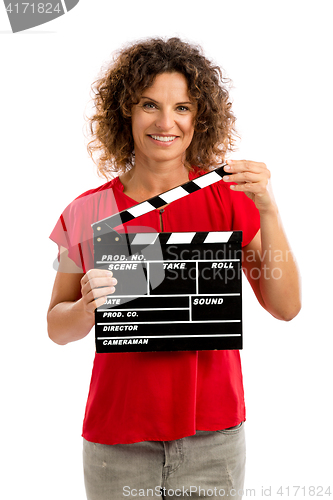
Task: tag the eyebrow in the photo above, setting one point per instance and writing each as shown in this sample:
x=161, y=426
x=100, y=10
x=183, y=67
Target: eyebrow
x=177, y=103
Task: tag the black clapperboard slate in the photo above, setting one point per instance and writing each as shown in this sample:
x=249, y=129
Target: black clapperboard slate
x=176, y=291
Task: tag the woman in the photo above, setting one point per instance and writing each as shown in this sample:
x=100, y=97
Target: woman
x=167, y=423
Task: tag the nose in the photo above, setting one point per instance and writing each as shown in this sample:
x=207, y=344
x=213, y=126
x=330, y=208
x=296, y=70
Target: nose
x=165, y=120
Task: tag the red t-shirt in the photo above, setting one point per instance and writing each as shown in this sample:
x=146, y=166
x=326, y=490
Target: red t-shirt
x=159, y=396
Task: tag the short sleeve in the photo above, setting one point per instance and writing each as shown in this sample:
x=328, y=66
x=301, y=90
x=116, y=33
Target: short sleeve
x=73, y=229
x=246, y=216
x=69, y=232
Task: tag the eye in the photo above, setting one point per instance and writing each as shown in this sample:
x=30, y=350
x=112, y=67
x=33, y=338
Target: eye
x=148, y=105
x=183, y=108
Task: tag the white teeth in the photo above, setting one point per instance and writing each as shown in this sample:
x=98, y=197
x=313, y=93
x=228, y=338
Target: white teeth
x=163, y=139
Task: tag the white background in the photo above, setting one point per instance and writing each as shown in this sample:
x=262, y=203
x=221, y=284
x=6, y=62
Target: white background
x=278, y=55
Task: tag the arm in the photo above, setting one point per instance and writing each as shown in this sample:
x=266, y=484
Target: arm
x=75, y=297
x=268, y=261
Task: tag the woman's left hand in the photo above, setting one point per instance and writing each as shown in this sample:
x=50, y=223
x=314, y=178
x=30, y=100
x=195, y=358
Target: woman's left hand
x=253, y=179
x=281, y=297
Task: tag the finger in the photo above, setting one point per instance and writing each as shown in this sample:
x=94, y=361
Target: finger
x=98, y=293
x=249, y=187
x=244, y=166
x=96, y=303
x=93, y=273
x=91, y=294
x=243, y=177
x=98, y=283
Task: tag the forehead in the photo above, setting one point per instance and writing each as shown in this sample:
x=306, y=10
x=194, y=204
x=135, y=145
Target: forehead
x=168, y=84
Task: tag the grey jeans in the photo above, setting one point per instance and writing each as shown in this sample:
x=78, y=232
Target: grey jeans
x=206, y=465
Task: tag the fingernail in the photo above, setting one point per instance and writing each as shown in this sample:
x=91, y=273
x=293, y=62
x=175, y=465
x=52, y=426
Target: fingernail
x=227, y=167
x=226, y=177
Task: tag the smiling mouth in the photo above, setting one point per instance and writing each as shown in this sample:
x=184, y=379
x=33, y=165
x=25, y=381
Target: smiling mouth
x=163, y=138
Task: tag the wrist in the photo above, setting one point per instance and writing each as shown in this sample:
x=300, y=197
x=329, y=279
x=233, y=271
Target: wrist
x=80, y=307
x=270, y=210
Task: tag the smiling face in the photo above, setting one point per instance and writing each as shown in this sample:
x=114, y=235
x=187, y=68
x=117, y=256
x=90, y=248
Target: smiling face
x=163, y=120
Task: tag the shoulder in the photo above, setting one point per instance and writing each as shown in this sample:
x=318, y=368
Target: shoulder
x=89, y=206
x=92, y=198
x=108, y=185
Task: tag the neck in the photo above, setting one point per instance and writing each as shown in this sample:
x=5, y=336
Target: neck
x=146, y=180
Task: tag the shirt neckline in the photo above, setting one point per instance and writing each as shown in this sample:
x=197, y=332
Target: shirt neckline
x=118, y=184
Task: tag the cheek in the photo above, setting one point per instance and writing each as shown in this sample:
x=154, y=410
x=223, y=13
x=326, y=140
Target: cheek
x=138, y=124
x=189, y=129
x=190, y=124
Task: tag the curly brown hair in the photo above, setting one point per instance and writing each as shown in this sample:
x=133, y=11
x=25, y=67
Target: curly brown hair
x=120, y=87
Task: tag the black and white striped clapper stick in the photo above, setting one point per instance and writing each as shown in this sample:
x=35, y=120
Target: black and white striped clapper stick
x=165, y=198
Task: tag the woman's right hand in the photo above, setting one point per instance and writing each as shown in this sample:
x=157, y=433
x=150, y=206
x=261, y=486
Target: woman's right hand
x=96, y=285
x=75, y=296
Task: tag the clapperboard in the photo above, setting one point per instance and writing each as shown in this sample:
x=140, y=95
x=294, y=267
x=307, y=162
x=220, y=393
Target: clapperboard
x=176, y=291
